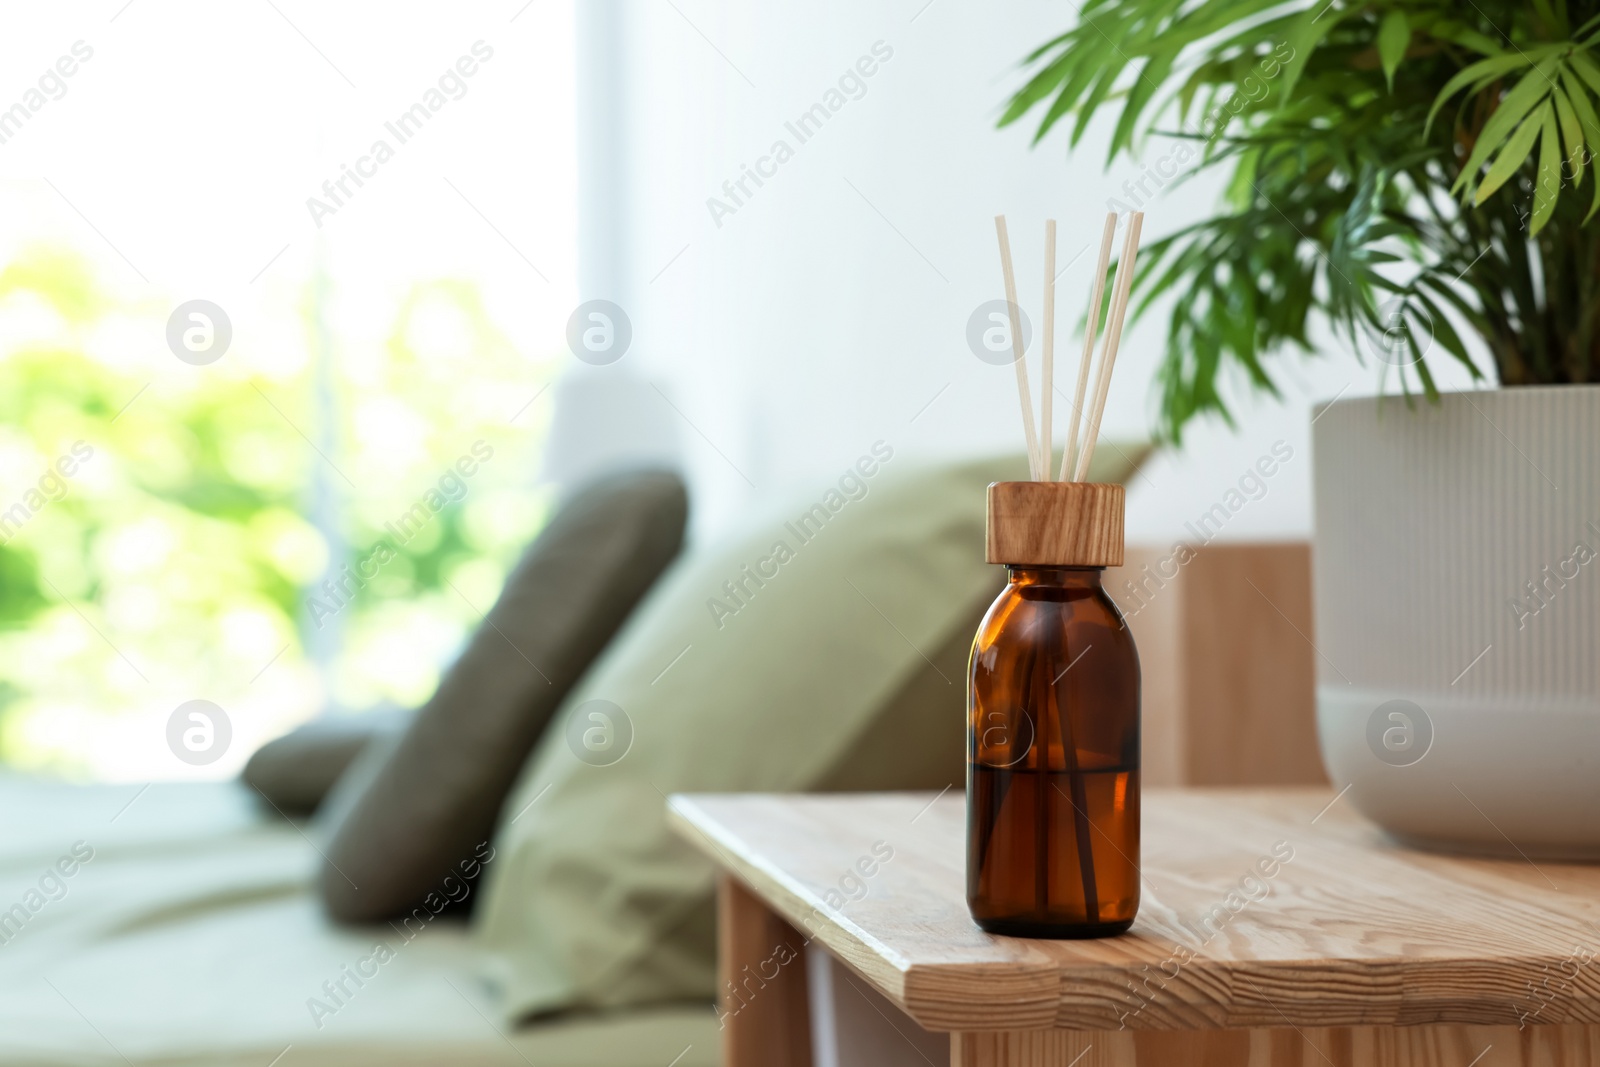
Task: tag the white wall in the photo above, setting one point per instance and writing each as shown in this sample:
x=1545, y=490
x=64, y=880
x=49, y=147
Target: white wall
x=830, y=308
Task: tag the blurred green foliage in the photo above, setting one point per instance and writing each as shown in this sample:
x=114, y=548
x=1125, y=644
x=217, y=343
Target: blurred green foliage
x=177, y=562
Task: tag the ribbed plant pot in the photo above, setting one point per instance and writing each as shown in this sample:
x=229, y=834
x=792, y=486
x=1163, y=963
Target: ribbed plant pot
x=1457, y=587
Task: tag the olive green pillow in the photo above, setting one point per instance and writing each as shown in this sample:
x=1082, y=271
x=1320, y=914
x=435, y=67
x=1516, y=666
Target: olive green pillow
x=825, y=648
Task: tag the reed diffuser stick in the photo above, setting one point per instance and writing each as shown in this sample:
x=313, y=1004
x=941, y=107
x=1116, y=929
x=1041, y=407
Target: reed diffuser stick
x=1047, y=453
x=1097, y=288
x=1119, y=311
x=1015, y=313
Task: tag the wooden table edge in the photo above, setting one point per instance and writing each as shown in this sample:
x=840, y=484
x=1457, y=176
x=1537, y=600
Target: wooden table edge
x=786, y=899
x=1029, y=995
x=1047, y=1042
x=1033, y=1001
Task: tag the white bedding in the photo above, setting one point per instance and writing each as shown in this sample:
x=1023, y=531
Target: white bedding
x=192, y=937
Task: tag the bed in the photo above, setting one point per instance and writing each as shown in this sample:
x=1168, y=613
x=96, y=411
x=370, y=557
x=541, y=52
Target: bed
x=175, y=924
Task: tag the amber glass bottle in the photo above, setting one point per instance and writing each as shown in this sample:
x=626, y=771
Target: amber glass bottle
x=1053, y=723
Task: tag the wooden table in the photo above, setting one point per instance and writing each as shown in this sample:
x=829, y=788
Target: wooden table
x=1277, y=927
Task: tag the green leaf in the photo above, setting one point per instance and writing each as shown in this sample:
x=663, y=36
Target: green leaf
x=1054, y=42
x=1154, y=73
x=1572, y=132
x=1105, y=79
x=1518, y=102
x=1444, y=290
x=1065, y=99
x=1590, y=122
x=1445, y=333
x=1514, y=155
x=1547, y=183
x=1429, y=388
x=1490, y=68
x=1394, y=35
x=1313, y=24
x=1454, y=32
x=1586, y=68
x=1259, y=34
x=1040, y=86
x=1581, y=105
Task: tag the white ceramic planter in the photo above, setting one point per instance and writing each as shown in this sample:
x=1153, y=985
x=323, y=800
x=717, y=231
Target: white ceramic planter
x=1457, y=587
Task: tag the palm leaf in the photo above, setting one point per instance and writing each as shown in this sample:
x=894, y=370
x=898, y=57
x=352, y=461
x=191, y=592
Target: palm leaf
x=1477, y=76
x=1571, y=131
x=1590, y=123
x=1513, y=155
x=1547, y=182
x=1315, y=23
x=1338, y=190
x=1522, y=98
x=1394, y=35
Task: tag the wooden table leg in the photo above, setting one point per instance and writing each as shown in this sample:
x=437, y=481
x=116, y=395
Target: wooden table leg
x=761, y=976
x=1366, y=1046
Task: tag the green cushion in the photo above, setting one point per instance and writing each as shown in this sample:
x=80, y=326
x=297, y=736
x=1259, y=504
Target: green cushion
x=823, y=672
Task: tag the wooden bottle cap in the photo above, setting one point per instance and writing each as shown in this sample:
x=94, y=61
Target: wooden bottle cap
x=1055, y=524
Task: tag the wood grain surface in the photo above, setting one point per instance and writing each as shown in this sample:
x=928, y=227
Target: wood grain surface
x=1261, y=909
x=761, y=975
x=1408, y=1046
x=1224, y=635
x=1055, y=524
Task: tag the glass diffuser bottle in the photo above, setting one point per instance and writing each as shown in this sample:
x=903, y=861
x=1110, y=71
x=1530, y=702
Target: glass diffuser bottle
x=1053, y=722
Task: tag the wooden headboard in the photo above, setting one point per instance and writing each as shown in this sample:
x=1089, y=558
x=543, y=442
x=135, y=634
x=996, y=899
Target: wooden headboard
x=1224, y=634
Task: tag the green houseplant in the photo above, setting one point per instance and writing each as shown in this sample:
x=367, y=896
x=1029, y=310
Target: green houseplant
x=1420, y=175
x=1404, y=168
